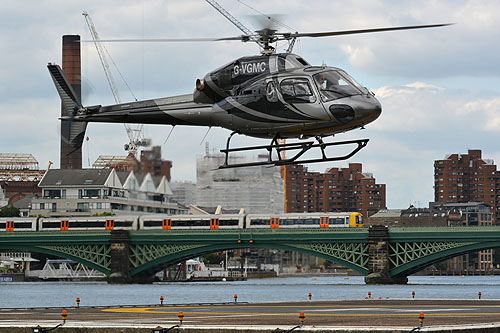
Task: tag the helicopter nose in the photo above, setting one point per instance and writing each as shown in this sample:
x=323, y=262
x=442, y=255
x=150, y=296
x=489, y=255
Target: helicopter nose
x=359, y=109
x=367, y=110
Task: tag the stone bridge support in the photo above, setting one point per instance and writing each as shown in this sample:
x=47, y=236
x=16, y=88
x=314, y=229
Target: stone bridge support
x=120, y=260
x=378, y=263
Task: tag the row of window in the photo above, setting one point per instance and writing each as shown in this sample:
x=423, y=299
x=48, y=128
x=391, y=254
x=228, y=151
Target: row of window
x=84, y=193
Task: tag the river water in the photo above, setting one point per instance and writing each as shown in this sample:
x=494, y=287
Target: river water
x=63, y=294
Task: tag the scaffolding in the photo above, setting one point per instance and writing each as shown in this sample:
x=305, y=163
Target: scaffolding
x=119, y=163
x=19, y=167
x=18, y=162
x=258, y=189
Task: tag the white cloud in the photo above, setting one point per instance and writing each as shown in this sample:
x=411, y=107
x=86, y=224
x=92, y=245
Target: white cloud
x=423, y=107
x=422, y=85
x=422, y=118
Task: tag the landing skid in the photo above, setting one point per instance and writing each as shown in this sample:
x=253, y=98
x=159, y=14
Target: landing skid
x=276, y=158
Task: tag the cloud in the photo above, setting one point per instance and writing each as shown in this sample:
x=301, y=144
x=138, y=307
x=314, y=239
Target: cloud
x=438, y=87
x=422, y=107
x=421, y=123
x=422, y=85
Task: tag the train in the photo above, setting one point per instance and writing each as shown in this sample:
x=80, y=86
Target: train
x=184, y=222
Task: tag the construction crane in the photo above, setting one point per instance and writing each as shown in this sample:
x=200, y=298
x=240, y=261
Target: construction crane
x=135, y=135
x=234, y=21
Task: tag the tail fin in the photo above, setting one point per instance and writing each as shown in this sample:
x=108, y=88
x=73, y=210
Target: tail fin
x=73, y=132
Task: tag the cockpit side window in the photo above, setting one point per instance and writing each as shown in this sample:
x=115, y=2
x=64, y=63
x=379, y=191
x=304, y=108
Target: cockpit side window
x=335, y=84
x=297, y=91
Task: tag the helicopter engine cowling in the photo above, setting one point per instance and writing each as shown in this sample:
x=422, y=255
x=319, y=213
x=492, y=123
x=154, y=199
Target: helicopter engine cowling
x=202, y=95
x=208, y=89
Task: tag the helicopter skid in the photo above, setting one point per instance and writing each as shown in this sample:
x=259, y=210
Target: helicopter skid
x=275, y=157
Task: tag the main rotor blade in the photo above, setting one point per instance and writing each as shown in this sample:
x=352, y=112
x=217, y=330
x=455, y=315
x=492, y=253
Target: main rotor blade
x=247, y=38
x=136, y=40
x=361, y=31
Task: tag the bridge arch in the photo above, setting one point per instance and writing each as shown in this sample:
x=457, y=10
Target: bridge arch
x=96, y=257
x=349, y=255
x=409, y=258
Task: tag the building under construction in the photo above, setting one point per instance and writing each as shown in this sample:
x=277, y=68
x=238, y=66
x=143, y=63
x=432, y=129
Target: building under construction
x=19, y=176
x=150, y=162
x=257, y=189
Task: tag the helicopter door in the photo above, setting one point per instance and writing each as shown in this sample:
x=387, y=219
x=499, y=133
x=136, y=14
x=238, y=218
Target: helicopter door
x=299, y=97
x=273, y=104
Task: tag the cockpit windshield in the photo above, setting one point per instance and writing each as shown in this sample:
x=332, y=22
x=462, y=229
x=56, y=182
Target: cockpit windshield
x=334, y=84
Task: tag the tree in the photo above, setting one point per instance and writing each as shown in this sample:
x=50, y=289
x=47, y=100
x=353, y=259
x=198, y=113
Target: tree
x=10, y=211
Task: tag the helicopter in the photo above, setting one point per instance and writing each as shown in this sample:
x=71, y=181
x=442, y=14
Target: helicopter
x=275, y=96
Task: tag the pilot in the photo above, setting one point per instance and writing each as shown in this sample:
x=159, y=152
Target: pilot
x=324, y=83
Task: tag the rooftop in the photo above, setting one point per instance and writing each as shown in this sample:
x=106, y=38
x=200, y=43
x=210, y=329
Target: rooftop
x=18, y=162
x=68, y=177
x=386, y=213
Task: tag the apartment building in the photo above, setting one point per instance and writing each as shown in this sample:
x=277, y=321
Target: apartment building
x=468, y=177
x=336, y=190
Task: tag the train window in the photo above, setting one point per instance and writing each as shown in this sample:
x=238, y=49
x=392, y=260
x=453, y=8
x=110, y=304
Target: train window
x=22, y=225
x=347, y=220
x=152, y=223
x=87, y=224
x=124, y=223
x=51, y=224
x=337, y=221
x=311, y=221
x=287, y=222
x=228, y=222
x=179, y=223
x=191, y=223
x=260, y=221
x=2, y=225
x=201, y=223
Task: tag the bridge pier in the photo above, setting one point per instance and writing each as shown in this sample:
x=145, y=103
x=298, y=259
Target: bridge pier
x=378, y=263
x=120, y=262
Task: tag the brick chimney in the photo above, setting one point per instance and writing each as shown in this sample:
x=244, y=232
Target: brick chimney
x=71, y=158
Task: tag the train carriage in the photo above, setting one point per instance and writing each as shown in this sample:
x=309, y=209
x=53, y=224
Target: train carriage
x=88, y=223
x=15, y=224
x=180, y=222
x=230, y=221
x=304, y=220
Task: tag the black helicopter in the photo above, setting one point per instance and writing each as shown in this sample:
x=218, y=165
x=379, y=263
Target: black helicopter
x=273, y=95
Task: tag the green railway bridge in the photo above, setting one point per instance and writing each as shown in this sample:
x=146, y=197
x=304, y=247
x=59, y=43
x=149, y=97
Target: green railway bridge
x=383, y=255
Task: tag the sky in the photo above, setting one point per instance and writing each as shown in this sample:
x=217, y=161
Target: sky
x=439, y=88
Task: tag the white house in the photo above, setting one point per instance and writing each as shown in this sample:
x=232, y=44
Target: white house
x=70, y=192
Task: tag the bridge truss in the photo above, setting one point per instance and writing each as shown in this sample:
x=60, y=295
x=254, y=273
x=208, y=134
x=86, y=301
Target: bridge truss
x=392, y=252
